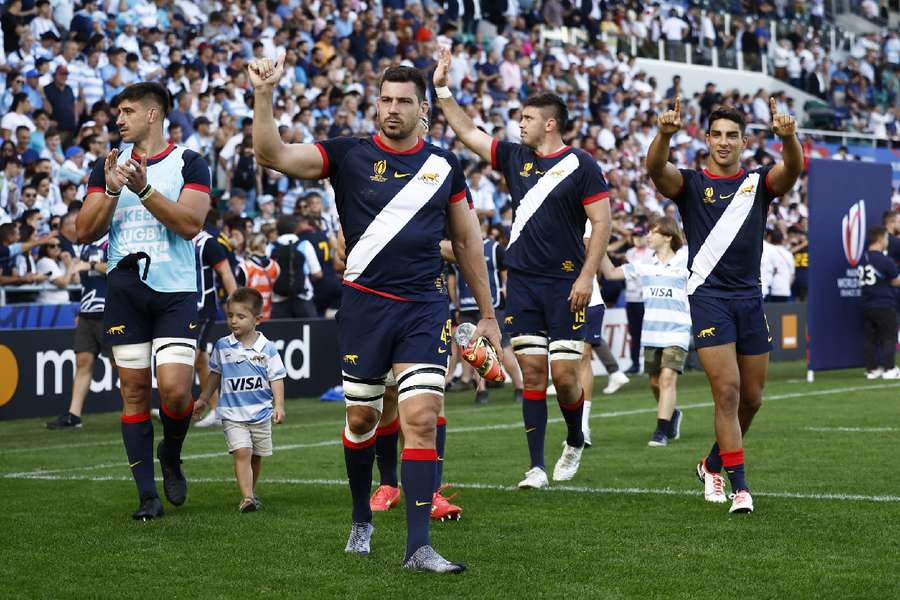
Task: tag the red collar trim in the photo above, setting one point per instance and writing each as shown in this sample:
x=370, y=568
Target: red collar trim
x=162, y=154
x=713, y=176
x=555, y=154
x=387, y=148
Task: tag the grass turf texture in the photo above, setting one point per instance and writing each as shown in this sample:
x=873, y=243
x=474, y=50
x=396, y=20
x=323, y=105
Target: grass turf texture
x=636, y=526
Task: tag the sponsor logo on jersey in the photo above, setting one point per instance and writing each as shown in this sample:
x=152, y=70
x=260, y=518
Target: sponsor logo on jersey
x=244, y=384
x=379, y=168
x=708, y=196
x=725, y=196
x=708, y=332
x=661, y=292
x=568, y=266
x=526, y=169
x=116, y=330
x=401, y=175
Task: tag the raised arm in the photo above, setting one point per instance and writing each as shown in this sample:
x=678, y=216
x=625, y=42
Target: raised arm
x=303, y=161
x=96, y=214
x=784, y=175
x=610, y=271
x=477, y=140
x=666, y=177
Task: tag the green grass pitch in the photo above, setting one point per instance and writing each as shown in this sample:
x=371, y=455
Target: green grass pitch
x=632, y=524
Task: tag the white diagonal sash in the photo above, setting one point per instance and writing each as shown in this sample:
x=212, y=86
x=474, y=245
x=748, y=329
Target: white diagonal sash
x=723, y=233
x=537, y=194
x=396, y=214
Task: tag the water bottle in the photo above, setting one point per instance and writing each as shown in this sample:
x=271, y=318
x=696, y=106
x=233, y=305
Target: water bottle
x=479, y=353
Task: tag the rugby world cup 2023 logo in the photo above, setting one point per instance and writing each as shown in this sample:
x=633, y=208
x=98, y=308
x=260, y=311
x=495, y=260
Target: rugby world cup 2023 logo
x=853, y=241
x=853, y=230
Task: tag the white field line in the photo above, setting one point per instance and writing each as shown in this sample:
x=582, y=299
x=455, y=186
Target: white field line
x=494, y=487
x=500, y=426
x=851, y=429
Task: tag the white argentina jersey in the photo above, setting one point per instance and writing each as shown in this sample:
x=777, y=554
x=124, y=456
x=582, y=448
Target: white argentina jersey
x=667, y=316
x=173, y=266
x=245, y=394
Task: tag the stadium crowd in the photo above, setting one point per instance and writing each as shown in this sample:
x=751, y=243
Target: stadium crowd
x=64, y=62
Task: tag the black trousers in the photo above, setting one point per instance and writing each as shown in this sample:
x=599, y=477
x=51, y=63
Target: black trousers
x=635, y=313
x=880, y=327
x=294, y=308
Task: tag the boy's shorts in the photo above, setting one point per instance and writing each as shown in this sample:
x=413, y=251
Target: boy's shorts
x=256, y=436
x=656, y=359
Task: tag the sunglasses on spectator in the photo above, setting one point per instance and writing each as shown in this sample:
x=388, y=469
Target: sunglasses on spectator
x=19, y=81
x=53, y=245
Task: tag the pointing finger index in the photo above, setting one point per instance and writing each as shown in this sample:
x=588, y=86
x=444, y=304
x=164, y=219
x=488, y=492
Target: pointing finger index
x=678, y=105
x=772, y=106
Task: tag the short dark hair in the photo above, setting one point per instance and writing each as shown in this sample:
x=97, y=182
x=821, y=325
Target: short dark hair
x=7, y=231
x=728, y=113
x=669, y=227
x=249, y=297
x=403, y=74
x=887, y=216
x=876, y=232
x=146, y=89
x=286, y=224
x=550, y=100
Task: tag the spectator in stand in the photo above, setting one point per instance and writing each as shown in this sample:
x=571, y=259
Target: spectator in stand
x=60, y=104
x=61, y=271
x=293, y=290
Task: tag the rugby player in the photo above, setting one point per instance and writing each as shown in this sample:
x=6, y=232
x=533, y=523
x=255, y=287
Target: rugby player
x=395, y=196
x=152, y=198
x=724, y=209
x=554, y=188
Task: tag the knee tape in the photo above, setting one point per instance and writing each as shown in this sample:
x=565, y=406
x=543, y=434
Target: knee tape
x=389, y=379
x=421, y=379
x=133, y=356
x=530, y=344
x=175, y=350
x=359, y=391
x=566, y=349
x=358, y=438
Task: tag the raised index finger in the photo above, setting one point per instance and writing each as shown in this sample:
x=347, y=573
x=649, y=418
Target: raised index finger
x=773, y=108
x=677, y=107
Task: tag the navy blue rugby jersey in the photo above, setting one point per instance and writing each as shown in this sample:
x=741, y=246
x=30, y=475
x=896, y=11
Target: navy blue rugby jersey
x=393, y=211
x=549, y=194
x=876, y=271
x=724, y=222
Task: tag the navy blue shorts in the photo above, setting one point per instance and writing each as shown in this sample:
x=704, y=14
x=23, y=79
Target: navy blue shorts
x=540, y=305
x=741, y=321
x=136, y=313
x=593, y=331
x=376, y=333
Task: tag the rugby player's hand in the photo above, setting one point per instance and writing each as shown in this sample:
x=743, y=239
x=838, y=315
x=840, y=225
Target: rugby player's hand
x=581, y=293
x=443, y=68
x=783, y=125
x=110, y=170
x=278, y=415
x=134, y=174
x=199, y=406
x=265, y=72
x=490, y=329
x=670, y=121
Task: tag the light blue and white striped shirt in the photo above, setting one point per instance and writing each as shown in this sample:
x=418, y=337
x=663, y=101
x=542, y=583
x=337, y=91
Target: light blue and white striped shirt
x=667, y=315
x=245, y=394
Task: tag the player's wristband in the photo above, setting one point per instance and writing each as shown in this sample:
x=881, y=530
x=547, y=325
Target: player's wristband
x=146, y=193
x=443, y=92
x=113, y=194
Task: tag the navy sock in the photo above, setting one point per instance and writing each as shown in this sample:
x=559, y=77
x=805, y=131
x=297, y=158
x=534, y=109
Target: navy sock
x=734, y=466
x=572, y=414
x=386, y=452
x=440, y=442
x=534, y=413
x=137, y=433
x=417, y=472
x=663, y=426
x=359, y=459
x=175, y=428
x=714, y=460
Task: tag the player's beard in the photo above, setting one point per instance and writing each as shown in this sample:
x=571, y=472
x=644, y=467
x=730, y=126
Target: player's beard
x=400, y=131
